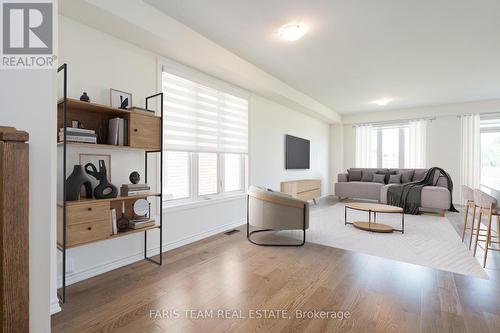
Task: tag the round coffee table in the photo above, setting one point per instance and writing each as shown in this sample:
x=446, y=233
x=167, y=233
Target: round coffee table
x=374, y=208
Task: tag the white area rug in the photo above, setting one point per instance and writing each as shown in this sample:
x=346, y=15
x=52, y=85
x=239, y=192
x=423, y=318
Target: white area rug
x=428, y=240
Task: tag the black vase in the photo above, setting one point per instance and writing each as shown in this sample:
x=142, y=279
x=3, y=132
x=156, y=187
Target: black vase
x=74, y=184
x=85, y=97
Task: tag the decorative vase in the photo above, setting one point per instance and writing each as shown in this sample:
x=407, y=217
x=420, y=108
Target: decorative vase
x=74, y=183
x=103, y=190
x=85, y=97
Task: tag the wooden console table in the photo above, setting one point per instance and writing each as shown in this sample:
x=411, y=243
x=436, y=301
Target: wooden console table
x=304, y=189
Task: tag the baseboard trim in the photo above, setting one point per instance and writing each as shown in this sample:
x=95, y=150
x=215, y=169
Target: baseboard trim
x=103, y=268
x=54, y=306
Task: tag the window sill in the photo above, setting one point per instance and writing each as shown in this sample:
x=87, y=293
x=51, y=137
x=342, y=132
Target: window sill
x=169, y=208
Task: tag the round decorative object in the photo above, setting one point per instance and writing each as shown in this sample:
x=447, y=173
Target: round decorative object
x=85, y=97
x=141, y=207
x=134, y=177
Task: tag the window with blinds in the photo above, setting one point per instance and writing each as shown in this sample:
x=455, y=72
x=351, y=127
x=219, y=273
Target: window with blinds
x=205, y=139
x=202, y=119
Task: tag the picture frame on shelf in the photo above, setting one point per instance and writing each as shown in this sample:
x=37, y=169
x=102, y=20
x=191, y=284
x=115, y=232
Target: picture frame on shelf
x=94, y=159
x=120, y=99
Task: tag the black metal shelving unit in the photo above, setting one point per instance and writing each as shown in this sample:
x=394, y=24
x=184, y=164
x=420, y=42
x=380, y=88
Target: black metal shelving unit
x=62, y=295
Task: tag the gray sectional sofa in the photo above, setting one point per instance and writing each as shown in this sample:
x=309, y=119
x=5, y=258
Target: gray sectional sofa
x=366, y=183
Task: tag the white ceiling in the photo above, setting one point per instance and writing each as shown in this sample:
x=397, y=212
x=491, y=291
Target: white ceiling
x=426, y=52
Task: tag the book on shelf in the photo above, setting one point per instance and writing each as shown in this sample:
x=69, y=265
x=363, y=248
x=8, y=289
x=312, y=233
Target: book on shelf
x=114, y=227
x=128, y=193
x=118, y=131
x=136, y=108
x=77, y=138
x=141, y=223
x=133, y=187
x=78, y=130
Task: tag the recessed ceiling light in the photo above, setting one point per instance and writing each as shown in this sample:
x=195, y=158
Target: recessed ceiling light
x=383, y=102
x=292, y=31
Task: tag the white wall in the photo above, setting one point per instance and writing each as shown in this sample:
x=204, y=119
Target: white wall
x=98, y=61
x=269, y=122
x=27, y=102
x=443, y=133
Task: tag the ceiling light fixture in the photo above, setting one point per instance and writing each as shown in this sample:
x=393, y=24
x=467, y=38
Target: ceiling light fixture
x=383, y=102
x=292, y=31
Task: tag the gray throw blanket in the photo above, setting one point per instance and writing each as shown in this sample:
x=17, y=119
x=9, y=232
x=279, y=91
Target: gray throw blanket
x=407, y=196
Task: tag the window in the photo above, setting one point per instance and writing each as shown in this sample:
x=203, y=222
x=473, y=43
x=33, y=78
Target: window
x=233, y=172
x=208, y=167
x=177, y=165
x=490, y=153
x=389, y=145
x=205, y=139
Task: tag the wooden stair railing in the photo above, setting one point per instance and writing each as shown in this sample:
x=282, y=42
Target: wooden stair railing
x=14, y=236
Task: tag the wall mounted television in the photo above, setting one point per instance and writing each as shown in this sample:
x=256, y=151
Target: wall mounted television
x=297, y=152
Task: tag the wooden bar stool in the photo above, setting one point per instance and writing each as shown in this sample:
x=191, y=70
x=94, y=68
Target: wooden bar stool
x=468, y=195
x=488, y=205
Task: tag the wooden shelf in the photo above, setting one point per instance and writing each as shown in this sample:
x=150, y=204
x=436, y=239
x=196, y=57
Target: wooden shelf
x=118, y=198
x=119, y=234
x=100, y=108
x=134, y=231
x=101, y=146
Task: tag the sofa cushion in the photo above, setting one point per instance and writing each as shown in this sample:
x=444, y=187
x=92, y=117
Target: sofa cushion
x=419, y=175
x=395, y=179
x=433, y=197
x=367, y=176
x=387, y=174
x=354, y=175
x=360, y=190
x=406, y=176
x=379, y=178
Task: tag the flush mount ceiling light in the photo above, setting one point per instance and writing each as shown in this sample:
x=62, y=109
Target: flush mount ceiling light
x=383, y=102
x=292, y=31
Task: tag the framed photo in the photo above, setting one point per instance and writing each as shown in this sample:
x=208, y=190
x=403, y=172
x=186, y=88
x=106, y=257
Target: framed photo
x=120, y=99
x=94, y=159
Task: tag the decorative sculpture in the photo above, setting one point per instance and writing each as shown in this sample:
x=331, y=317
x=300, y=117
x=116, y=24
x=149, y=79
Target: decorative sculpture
x=103, y=190
x=74, y=183
x=123, y=103
x=134, y=177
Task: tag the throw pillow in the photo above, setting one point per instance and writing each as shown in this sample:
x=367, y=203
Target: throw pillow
x=419, y=175
x=379, y=178
x=354, y=175
x=367, y=176
x=395, y=179
x=407, y=176
x=387, y=174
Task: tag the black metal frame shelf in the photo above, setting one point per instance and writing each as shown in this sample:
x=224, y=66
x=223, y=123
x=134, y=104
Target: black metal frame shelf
x=62, y=247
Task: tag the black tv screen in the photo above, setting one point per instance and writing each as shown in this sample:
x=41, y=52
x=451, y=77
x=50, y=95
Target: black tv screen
x=297, y=152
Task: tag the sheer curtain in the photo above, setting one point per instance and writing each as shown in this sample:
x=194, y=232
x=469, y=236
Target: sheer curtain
x=470, y=156
x=363, y=146
x=418, y=144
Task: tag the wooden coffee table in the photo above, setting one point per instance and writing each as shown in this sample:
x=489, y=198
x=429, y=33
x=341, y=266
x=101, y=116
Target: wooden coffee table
x=374, y=208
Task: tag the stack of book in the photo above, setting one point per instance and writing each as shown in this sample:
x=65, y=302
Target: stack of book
x=141, y=223
x=118, y=132
x=136, y=108
x=78, y=135
x=134, y=189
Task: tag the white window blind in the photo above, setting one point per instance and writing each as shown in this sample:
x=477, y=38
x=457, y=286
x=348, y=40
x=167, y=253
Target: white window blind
x=198, y=118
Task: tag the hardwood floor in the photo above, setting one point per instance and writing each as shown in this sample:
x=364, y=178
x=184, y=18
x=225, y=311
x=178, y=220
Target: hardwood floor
x=227, y=272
